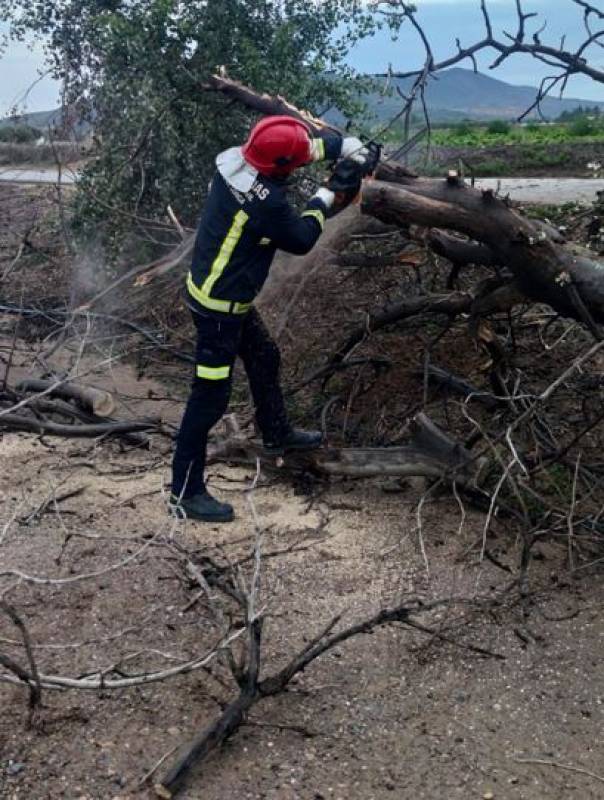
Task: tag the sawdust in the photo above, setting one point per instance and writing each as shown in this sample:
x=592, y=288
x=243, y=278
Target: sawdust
x=396, y=714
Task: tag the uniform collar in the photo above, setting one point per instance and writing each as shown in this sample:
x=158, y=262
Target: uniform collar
x=235, y=169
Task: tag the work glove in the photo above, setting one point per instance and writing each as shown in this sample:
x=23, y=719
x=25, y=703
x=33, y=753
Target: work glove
x=345, y=184
x=354, y=149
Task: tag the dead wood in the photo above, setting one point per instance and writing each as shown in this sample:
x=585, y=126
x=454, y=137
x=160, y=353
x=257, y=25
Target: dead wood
x=431, y=453
x=96, y=401
x=48, y=428
x=366, y=261
x=461, y=252
x=253, y=690
x=450, y=305
x=458, y=385
x=232, y=718
x=32, y=678
x=544, y=270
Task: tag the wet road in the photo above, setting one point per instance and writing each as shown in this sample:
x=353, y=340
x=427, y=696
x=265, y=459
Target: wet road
x=51, y=175
x=556, y=191
x=526, y=190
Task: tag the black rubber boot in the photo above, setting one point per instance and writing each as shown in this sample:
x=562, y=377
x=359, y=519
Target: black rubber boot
x=295, y=440
x=202, y=507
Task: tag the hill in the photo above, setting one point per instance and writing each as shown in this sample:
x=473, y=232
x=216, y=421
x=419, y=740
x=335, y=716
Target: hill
x=458, y=93
x=453, y=95
x=45, y=120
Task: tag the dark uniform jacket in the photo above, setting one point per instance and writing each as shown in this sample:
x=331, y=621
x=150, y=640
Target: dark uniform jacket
x=239, y=234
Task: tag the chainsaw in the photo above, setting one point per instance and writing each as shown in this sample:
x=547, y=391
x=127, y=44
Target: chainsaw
x=348, y=174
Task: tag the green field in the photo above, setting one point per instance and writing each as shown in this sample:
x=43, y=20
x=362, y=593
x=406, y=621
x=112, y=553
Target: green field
x=468, y=134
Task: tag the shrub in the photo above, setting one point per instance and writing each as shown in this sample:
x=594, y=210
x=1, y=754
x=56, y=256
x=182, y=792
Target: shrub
x=462, y=129
x=19, y=134
x=582, y=127
x=499, y=127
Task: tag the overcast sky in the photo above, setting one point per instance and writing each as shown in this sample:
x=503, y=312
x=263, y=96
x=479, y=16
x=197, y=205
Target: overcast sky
x=444, y=20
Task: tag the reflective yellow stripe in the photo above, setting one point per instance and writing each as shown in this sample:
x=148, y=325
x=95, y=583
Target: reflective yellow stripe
x=213, y=373
x=226, y=251
x=317, y=214
x=212, y=303
x=318, y=148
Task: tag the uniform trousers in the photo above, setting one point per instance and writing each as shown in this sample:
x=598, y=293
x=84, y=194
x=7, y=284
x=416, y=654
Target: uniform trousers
x=220, y=339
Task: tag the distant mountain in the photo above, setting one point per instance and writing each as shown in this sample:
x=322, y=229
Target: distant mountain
x=38, y=119
x=45, y=120
x=452, y=95
x=457, y=93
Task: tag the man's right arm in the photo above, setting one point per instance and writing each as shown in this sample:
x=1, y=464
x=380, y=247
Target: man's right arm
x=290, y=231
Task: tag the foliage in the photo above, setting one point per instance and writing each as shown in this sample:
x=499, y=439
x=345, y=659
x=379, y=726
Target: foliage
x=498, y=127
x=582, y=127
x=495, y=133
x=579, y=112
x=18, y=134
x=137, y=68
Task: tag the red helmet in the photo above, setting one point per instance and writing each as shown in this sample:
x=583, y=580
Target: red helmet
x=278, y=145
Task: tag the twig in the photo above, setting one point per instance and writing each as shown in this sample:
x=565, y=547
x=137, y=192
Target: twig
x=570, y=768
x=35, y=687
x=98, y=681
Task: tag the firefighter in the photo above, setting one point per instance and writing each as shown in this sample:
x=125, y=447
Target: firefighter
x=246, y=219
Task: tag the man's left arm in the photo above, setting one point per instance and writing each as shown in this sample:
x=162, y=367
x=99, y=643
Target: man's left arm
x=330, y=146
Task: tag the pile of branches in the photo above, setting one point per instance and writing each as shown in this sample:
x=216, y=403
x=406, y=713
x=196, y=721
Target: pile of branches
x=66, y=409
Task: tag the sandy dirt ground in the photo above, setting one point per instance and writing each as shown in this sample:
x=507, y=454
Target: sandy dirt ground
x=398, y=714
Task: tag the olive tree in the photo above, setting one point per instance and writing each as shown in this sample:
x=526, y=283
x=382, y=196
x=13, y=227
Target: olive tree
x=136, y=69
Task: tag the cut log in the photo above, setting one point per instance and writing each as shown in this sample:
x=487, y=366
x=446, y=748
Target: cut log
x=96, y=401
x=431, y=453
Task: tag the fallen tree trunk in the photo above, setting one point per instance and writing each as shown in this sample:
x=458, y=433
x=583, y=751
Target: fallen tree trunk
x=547, y=272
